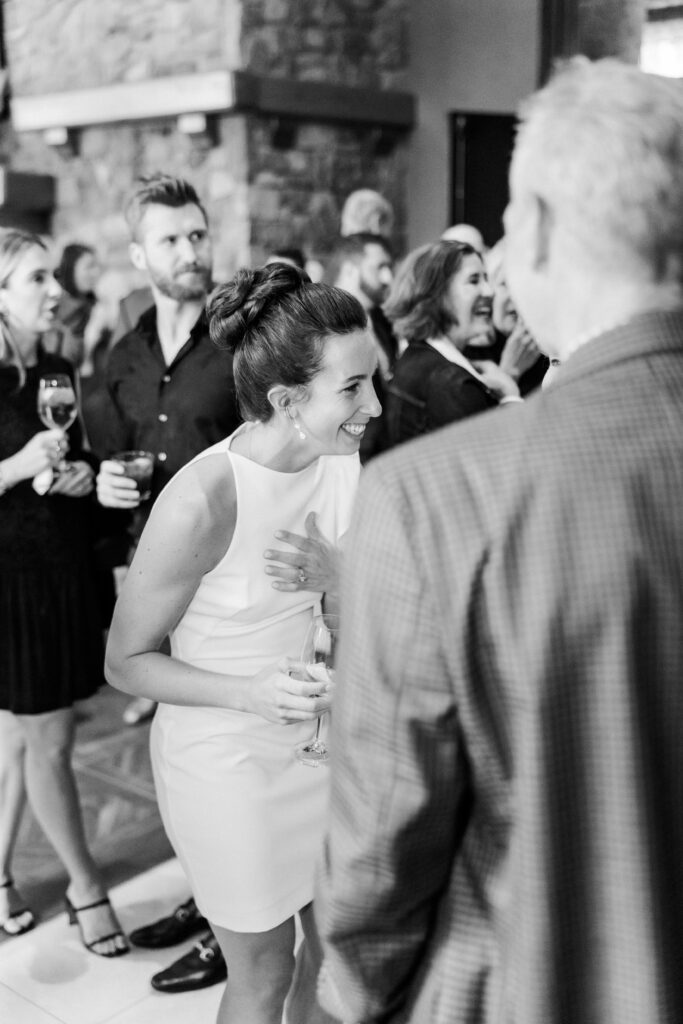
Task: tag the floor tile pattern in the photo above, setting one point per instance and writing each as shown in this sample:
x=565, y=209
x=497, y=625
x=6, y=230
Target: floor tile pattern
x=47, y=977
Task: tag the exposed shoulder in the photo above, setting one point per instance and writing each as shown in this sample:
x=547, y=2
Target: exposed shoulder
x=197, y=511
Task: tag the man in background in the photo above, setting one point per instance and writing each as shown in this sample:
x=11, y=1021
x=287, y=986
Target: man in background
x=506, y=835
x=171, y=392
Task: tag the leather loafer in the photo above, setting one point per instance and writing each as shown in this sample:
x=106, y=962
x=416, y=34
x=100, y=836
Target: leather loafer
x=168, y=931
x=204, y=965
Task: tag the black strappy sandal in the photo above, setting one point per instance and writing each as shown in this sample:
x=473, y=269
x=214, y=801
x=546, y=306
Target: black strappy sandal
x=18, y=921
x=73, y=913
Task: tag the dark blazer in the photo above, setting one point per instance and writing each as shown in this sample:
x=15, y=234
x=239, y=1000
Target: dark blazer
x=506, y=823
x=428, y=391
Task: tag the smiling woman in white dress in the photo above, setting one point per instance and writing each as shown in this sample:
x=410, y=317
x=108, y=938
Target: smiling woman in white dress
x=245, y=818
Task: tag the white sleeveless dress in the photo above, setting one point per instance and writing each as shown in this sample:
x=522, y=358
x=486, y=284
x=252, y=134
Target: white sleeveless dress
x=244, y=816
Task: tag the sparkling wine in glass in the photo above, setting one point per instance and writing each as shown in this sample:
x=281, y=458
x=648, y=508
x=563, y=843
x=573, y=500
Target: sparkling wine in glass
x=318, y=657
x=57, y=406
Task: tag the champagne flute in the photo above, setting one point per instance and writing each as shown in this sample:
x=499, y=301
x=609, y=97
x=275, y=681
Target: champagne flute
x=57, y=407
x=318, y=657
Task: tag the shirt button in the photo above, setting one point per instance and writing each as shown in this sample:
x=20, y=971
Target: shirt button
x=166, y=378
x=162, y=417
x=162, y=456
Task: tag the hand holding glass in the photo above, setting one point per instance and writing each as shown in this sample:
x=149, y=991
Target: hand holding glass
x=57, y=407
x=138, y=466
x=318, y=656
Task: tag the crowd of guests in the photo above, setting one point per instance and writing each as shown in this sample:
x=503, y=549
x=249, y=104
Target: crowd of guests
x=168, y=387
x=497, y=617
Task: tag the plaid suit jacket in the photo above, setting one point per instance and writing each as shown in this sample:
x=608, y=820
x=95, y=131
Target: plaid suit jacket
x=506, y=827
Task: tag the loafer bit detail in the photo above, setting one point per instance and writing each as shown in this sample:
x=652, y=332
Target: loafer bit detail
x=204, y=965
x=184, y=922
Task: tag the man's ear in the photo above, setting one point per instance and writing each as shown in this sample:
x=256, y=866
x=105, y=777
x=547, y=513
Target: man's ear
x=137, y=256
x=541, y=234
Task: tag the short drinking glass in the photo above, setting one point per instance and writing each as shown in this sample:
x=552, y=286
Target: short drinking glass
x=139, y=466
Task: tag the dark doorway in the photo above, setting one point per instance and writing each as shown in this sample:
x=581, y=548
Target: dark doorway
x=481, y=147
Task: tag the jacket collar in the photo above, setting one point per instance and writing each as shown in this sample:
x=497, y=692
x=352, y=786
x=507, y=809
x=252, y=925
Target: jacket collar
x=646, y=334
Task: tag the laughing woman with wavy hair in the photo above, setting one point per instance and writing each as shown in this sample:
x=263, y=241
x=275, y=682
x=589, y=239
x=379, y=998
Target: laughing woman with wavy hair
x=440, y=303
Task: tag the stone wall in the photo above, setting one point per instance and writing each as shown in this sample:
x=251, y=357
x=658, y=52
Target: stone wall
x=91, y=185
x=58, y=45
x=350, y=42
x=296, y=193
x=259, y=194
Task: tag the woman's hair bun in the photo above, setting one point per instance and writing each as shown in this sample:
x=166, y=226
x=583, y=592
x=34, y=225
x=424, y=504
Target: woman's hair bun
x=235, y=307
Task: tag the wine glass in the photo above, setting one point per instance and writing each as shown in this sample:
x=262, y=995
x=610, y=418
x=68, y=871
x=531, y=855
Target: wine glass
x=57, y=407
x=318, y=657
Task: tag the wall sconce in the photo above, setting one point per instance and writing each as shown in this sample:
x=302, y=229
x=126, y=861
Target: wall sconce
x=201, y=127
x=66, y=139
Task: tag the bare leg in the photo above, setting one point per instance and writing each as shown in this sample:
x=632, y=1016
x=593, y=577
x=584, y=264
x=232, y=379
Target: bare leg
x=12, y=788
x=12, y=803
x=52, y=791
x=302, y=1006
x=260, y=967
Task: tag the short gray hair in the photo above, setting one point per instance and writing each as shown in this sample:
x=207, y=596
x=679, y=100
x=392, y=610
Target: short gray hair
x=602, y=143
x=367, y=211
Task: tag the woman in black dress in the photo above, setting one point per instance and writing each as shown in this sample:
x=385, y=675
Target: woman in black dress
x=51, y=650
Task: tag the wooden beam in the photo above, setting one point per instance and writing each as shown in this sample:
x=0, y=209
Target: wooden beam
x=213, y=92
x=320, y=101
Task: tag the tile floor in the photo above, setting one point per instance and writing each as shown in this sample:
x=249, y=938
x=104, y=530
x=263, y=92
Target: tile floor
x=46, y=977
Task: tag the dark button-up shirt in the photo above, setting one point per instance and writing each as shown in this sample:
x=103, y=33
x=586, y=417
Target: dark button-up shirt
x=173, y=411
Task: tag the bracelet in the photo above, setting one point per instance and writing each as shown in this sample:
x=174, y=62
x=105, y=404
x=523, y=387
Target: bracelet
x=4, y=486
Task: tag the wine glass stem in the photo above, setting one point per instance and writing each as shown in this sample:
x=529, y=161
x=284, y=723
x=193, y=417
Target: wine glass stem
x=317, y=728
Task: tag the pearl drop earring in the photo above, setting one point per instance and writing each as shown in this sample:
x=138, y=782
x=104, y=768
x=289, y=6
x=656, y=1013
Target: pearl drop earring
x=296, y=424
x=299, y=429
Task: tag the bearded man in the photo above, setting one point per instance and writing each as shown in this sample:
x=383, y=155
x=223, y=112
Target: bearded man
x=171, y=390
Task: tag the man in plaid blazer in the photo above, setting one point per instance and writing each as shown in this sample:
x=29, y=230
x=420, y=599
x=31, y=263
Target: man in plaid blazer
x=506, y=828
